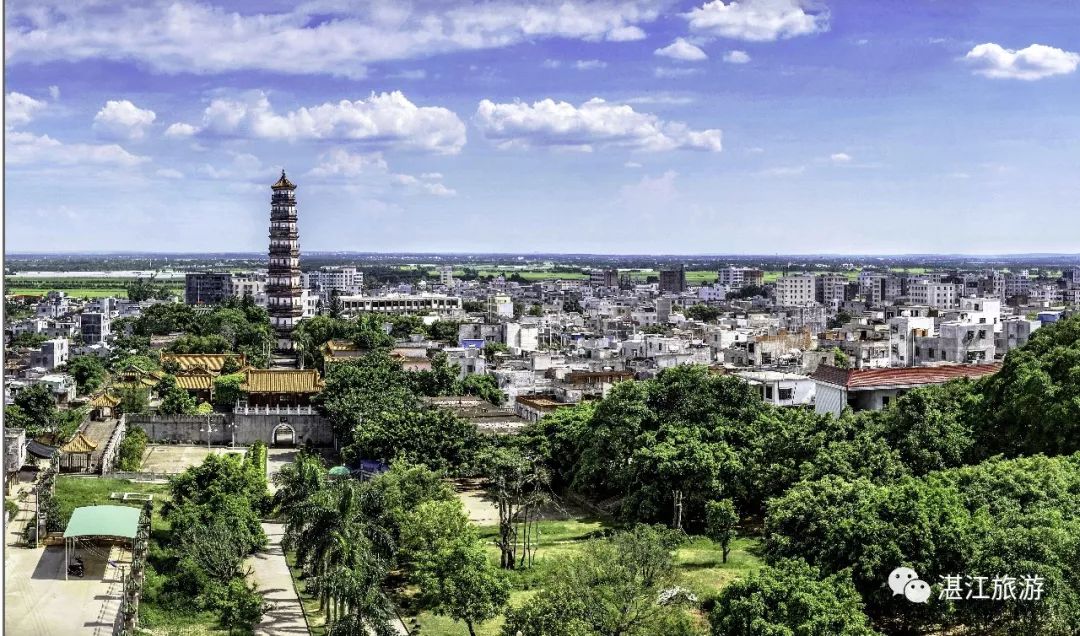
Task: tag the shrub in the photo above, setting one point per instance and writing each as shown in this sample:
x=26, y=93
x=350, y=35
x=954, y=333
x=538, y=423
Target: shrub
x=131, y=449
x=242, y=607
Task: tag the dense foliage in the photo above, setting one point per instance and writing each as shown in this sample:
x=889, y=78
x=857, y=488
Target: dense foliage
x=613, y=588
x=214, y=524
x=350, y=536
x=236, y=326
x=129, y=455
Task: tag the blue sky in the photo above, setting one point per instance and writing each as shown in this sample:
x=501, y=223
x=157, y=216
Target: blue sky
x=756, y=126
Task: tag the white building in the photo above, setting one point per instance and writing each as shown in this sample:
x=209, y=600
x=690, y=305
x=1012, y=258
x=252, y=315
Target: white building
x=500, y=306
x=440, y=304
x=521, y=338
x=53, y=353
x=781, y=389
x=739, y=277
x=325, y=280
x=796, y=290
x=712, y=293
x=903, y=330
x=94, y=326
x=875, y=389
x=446, y=275
x=934, y=294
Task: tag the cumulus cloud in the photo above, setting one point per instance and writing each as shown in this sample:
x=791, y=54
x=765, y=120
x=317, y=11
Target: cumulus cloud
x=120, y=119
x=338, y=38
x=595, y=123
x=680, y=49
x=736, y=57
x=20, y=109
x=23, y=148
x=1035, y=62
x=382, y=120
x=54, y=92
x=371, y=169
x=840, y=157
x=758, y=20
x=180, y=129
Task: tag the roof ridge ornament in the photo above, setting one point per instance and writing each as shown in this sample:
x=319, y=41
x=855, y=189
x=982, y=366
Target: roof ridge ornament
x=283, y=183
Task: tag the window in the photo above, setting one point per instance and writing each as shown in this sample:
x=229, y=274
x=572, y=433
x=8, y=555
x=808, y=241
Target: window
x=768, y=391
x=787, y=394
x=885, y=399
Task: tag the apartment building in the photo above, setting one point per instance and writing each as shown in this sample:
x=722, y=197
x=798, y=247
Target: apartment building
x=796, y=289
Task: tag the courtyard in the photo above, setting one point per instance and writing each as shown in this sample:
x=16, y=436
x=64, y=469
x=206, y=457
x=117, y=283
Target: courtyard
x=173, y=459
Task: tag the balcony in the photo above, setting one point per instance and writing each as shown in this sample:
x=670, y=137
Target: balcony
x=244, y=409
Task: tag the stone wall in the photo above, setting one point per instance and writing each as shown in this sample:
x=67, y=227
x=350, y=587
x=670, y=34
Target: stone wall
x=240, y=429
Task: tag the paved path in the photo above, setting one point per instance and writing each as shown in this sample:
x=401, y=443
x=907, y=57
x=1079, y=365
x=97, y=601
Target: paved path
x=270, y=573
x=276, y=458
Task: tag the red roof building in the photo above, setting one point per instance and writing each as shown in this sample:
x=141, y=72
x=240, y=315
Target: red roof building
x=873, y=389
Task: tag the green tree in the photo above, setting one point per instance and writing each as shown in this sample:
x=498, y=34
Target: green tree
x=720, y=523
x=88, y=371
x=132, y=447
x=840, y=359
x=493, y=348
x=38, y=409
x=790, y=598
x=434, y=437
x=704, y=313
x=444, y=330
x=242, y=607
x=227, y=389
x=134, y=400
x=177, y=401
x=612, y=588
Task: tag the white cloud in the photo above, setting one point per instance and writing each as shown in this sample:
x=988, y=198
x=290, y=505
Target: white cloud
x=54, y=92
x=23, y=148
x=625, y=34
x=589, y=65
x=20, y=109
x=667, y=71
x=338, y=38
x=549, y=63
x=758, y=20
x=594, y=123
x=180, y=129
x=169, y=173
x=120, y=119
x=736, y=57
x=371, y=169
x=1035, y=62
x=631, y=164
x=840, y=157
x=383, y=120
x=680, y=49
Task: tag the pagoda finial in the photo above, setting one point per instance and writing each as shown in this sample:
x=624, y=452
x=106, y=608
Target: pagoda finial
x=283, y=183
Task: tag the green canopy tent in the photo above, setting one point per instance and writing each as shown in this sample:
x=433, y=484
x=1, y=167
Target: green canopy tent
x=101, y=521
x=339, y=471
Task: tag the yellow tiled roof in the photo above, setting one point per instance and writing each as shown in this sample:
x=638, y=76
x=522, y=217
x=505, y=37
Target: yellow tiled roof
x=282, y=381
x=212, y=362
x=341, y=345
x=105, y=400
x=78, y=444
x=195, y=381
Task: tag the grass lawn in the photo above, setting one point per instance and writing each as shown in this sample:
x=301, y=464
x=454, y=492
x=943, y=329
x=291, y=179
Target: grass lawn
x=699, y=565
x=75, y=492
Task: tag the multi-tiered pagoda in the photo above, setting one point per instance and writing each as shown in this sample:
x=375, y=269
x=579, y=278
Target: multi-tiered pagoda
x=283, y=289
